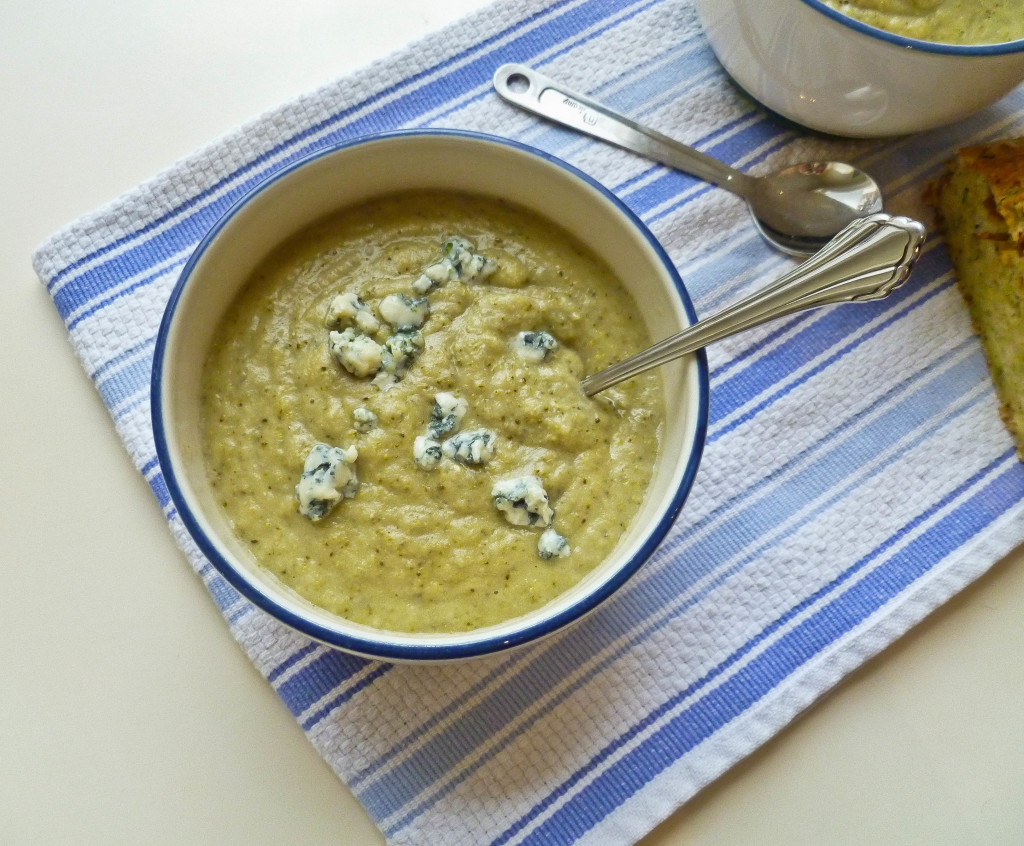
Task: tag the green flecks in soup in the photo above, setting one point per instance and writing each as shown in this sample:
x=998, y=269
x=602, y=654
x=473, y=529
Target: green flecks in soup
x=396, y=468
x=944, y=21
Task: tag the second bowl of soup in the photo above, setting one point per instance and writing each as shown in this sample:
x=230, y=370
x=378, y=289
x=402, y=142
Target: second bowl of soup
x=869, y=68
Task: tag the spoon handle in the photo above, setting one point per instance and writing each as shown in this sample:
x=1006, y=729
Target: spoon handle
x=524, y=87
x=868, y=260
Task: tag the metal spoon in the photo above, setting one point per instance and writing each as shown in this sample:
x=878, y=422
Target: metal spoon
x=868, y=260
x=797, y=209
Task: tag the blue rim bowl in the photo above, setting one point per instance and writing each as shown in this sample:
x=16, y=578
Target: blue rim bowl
x=829, y=72
x=342, y=175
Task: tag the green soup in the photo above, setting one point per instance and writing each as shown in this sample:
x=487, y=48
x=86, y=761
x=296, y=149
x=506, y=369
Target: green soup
x=414, y=548
x=944, y=21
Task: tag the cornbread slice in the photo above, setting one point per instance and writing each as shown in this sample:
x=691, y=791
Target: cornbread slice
x=980, y=205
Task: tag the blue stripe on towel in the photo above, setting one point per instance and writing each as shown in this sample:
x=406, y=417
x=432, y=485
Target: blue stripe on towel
x=434, y=721
x=773, y=372
x=289, y=662
x=344, y=696
x=88, y=308
x=319, y=678
x=120, y=384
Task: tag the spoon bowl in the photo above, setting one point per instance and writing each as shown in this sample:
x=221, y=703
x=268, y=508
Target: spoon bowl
x=797, y=210
x=801, y=207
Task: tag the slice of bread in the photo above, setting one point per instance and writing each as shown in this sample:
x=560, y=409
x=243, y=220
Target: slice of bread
x=980, y=207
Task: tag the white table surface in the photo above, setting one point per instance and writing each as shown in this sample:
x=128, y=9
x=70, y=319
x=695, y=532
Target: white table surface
x=127, y=712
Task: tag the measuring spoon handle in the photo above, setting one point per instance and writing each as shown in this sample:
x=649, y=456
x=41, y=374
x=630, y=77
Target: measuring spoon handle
x=524, y=87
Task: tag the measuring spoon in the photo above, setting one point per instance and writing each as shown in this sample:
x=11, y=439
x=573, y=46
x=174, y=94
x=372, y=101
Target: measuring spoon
x=797, y=209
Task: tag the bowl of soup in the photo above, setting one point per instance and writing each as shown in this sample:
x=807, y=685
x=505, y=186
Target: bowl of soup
x=367, y=402
x=870, y=68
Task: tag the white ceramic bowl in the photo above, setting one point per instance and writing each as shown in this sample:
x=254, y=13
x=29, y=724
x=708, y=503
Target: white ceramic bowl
x=339, y=177
x=831, y=73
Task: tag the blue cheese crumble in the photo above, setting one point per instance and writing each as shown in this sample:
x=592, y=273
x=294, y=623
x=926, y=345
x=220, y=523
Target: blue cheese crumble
x=552, y=545
x=459, y=262
x=434, y=276
x=447, y=414
x=399, y=351
x=469, y=265
x=426, y=452
x=523, y=501
x=403, y=312
x=348, y=310
x=475, y=446
x=328, y=477
x=359, y=354
x=363, y=419
x=534, y=346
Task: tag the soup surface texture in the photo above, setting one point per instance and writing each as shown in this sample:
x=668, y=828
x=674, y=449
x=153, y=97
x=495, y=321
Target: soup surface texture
x=944, y=21
x=419, y=542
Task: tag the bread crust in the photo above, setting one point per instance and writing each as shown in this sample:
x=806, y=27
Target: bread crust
x=979, y=202
x=1001, y=165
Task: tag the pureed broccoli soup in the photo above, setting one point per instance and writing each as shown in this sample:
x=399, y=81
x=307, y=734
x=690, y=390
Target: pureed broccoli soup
x=943, y=21
x=393, y=421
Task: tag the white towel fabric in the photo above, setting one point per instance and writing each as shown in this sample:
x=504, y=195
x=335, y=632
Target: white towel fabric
x=856, y=474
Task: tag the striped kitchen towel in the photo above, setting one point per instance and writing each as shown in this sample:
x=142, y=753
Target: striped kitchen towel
x=856, y=473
